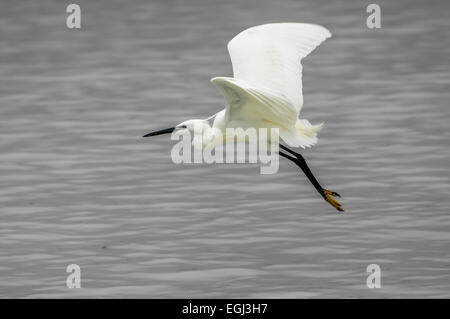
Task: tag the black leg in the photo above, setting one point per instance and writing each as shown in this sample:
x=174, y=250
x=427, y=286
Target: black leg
x=298, y=160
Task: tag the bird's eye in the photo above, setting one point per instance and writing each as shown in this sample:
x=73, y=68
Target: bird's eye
x=182, y=126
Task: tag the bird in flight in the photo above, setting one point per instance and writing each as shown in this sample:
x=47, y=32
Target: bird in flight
x=266, y=92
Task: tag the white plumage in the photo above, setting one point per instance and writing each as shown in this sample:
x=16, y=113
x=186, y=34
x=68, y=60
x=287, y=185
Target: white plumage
x=269, y=56
x=266, y=90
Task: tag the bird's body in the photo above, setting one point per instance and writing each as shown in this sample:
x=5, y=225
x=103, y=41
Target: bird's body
x=265, y=90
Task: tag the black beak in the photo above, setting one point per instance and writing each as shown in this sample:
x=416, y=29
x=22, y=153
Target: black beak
x=165, y=131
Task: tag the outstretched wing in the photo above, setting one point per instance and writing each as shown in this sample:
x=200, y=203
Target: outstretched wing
x=245, y=102
x=269, y=56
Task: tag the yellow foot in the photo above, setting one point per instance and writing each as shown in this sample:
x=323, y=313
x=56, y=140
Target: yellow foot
x=327, y=196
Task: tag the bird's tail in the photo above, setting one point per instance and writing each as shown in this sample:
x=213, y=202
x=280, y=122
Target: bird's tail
x=304, y=135
x=307, y=132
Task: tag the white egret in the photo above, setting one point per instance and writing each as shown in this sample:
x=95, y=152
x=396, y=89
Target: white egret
x=266, y=91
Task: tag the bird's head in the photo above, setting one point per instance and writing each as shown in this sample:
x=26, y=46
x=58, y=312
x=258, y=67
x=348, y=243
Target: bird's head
x=194, y=127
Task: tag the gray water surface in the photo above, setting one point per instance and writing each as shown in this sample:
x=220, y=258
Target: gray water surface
x=79, y=185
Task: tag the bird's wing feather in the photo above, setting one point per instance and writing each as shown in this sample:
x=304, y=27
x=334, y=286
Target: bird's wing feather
x=269, y=56
x=246, y=102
